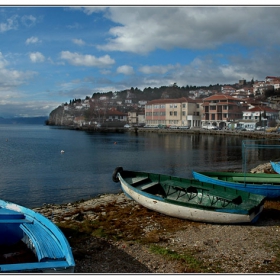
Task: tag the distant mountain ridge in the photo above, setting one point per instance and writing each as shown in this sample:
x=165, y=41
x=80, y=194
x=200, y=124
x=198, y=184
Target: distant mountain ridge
x=22, y=120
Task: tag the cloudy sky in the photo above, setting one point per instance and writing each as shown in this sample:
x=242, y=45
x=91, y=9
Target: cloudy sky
x=49, y=55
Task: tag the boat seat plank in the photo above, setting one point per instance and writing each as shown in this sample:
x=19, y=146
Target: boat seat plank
x=137, y=180
x=14, y=221
x=45, y=242
x=147, y=186
x=33, y=266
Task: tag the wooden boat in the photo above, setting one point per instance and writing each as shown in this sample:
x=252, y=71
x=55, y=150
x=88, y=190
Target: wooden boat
x=275, y=166
x=258, y=183
x=29, y=242
x=188, y=198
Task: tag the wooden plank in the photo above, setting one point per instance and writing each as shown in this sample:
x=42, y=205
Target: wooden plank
x=145, y=187
x=14, y=221
x=137, y=180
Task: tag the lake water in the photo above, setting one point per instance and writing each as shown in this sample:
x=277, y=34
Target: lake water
x=34, y=171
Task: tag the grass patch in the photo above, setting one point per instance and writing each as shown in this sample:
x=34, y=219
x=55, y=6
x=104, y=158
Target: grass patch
x=189, y=264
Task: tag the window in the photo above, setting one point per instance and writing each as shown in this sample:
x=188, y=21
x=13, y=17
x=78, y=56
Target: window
x=184, y=113
x=184, y=105
x=171, y=113
x=175, y=113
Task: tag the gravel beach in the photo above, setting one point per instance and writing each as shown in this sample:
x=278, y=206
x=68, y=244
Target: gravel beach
x=113, y=234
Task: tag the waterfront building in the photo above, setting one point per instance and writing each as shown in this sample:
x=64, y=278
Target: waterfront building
x=221, y=109
x=174, y=112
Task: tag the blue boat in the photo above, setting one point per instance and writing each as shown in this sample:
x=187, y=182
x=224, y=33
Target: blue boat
x=275, y=166
x=29, y=242
x=264, y=184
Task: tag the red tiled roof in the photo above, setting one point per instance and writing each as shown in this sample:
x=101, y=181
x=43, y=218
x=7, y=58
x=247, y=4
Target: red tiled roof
x=221, y=97
x=116, y=113
x=261, y=108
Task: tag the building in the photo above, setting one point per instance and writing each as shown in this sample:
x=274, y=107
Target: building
x=259, y=116
x=222, y=109
x=180, y=112
x=136, y=118
x=115, y=115
x=228, y=90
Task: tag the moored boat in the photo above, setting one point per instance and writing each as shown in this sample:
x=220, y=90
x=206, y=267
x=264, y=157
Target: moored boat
x=275, y=166
x=189, y=198
x=258, y=183
x=29, y=242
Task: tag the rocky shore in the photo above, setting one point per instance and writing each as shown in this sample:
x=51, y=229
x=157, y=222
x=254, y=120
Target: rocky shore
x=113, y=234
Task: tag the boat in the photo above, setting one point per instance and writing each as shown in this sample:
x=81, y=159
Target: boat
x=275, y=166
x=189, y=198
x=29, y=242
x=264, y=184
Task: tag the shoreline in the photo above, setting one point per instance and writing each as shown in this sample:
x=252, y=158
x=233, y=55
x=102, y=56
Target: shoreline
x=194, y=130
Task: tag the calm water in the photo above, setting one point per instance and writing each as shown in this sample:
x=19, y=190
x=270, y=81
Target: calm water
x=33, y=170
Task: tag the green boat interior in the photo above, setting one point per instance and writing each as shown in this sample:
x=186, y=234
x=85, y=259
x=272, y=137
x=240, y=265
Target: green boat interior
x=189, y=191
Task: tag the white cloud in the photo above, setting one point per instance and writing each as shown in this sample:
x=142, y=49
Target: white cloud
x=160, y=69
x=21, y=108
x=36, y=57
x=32, y=40
x=79, y=42
x=144, y=29
x=10, y=79
x=90, y=10
x=9, y=25
x=125, y=69
x=86, y=60
x=28, y=20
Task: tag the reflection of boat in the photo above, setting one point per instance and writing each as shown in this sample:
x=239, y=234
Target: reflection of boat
x=259, y=183
x=275, y=166
x=189, y=198
x=29, y=242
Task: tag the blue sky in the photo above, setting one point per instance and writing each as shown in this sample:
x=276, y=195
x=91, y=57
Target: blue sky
x=52, y=54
